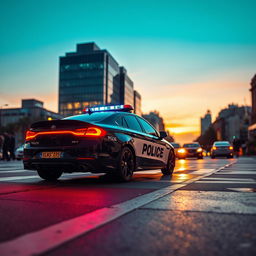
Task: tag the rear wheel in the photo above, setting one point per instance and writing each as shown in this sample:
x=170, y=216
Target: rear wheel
x=126, y=165
x=49, y=174
x=168, y=170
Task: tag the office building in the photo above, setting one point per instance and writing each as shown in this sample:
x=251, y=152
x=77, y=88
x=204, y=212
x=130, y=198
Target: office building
x=126, y=88
x=137, y=103
x=91, y=76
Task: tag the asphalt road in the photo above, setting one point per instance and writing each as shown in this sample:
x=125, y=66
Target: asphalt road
x=207, y=207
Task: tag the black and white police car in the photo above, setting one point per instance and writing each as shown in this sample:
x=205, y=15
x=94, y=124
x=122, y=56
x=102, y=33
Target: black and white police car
x=105, y=139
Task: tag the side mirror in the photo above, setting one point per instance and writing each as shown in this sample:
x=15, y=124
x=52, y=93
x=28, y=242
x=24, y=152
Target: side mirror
x=163, y=134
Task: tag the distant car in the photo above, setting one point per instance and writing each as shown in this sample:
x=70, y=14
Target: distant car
x=192, y=149
x=176, y=147
x=222, y=148
x=19, y=152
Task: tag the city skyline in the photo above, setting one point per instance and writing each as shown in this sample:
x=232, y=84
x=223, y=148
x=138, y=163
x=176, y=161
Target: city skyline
x=181, y=67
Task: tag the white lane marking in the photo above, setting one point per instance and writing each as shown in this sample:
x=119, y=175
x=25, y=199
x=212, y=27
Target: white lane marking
x=238, y=172
x=230, y=179
x=224, y=182
x=14, y=171
x=243, y=189
x=18, y=178
x=202, y=171
x=64, y=177
x=55, y=235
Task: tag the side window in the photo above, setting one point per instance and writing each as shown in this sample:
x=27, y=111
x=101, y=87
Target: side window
x=121, y=122
x=148, y=128
x=132, y=123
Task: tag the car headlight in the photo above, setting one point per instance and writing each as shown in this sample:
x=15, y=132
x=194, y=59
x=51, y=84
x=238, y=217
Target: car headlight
x=199, y=150
x=181, y=150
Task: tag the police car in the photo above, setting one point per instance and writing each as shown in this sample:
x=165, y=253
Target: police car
x=105, y=139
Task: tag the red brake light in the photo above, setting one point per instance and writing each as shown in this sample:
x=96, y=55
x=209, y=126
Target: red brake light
x=84, y=132
x=95, y=132
x=30, y=135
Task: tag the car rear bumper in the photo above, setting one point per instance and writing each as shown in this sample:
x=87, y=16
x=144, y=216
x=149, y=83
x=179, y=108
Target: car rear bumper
x=222, y=153
x=72, y=165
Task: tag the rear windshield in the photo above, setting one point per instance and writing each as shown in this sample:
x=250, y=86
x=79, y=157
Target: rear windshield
x=221, y=144
x=176, y=145
x=191, y=145
x=97, y=117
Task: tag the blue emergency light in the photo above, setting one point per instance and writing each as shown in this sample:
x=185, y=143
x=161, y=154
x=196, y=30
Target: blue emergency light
x=124, y=108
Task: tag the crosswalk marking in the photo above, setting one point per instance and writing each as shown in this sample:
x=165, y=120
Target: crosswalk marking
x=14, y=171
x=225, y=181
x=237, y=172
x=230, y=179
x=202, y=171
x=18, y=178
x=243, y=189
x=63, y=177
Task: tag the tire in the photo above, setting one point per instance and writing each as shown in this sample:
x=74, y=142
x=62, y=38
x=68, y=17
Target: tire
x=49, y=174
x=126, y=165
x=212, y=157
x=200, y=157
x=168, y=170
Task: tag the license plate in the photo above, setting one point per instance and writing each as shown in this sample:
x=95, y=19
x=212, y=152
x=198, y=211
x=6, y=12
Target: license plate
x=51, y=154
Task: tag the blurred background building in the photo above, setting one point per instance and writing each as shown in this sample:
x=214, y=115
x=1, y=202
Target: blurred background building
x=155, y=119
x=232, y=122
x=206, y=121
x=137, y=103
x=18, y=120
x=252, y=127
x=91, y=76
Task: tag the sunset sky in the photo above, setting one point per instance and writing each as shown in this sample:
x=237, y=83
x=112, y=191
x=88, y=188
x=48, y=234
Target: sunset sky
x=184, y=56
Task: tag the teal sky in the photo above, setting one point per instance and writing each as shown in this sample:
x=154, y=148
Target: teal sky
x=183, y=56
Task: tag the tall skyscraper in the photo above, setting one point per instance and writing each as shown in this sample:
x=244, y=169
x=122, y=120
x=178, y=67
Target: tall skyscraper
x=91, y=76
x=206, y=121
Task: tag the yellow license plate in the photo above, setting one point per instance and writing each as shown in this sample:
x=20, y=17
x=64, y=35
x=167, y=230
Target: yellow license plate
x=51, y=154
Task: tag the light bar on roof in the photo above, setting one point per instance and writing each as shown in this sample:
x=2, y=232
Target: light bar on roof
x=125, y=108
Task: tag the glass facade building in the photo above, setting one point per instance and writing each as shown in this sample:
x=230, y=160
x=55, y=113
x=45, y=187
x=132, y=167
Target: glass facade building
x=91, y=76
x=126, y=88
x=137, y=103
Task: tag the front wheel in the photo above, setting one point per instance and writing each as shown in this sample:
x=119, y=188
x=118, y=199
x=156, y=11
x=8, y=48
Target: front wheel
x=126, y=165
x=168, y=170
x=49, y=174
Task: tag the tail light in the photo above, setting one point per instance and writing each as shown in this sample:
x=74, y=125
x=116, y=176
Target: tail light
x=30, y=135
x=94, y=132
x=231, y=148
x=85, y=132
